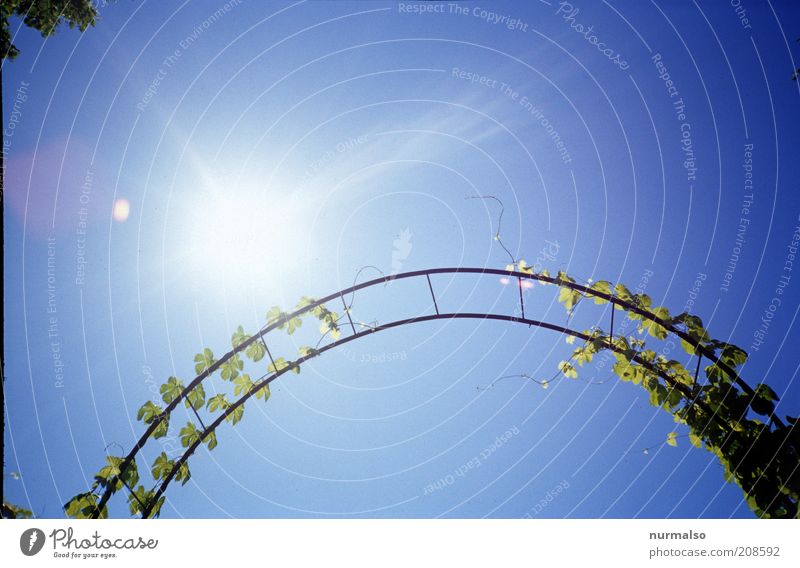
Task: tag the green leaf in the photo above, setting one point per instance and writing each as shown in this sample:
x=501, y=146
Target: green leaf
x=196, y=397
x=583, y=354
x=148, y=412
x=688, y=347
x=183, y=474
x=255, y=351
x=293, y=325
x=203, y=361
x=239, y=337
x=569, y=298
x=625, y=370
x=230, y=368
x=189, y=434
x=674, y=398
x=142, y=497
x=621, y=292
x=679, y=373
x=263, y=392
x=695, y=440
x=523, y=267
x=763, y=391
x=155, y=511
x=280, y=364
x=733, y=356
x=274, y=315
x=643, y=301
x=217, y=402
x=715, y=373
x=305, y=301
x=672, y=439
x=655, y=329
x=136, y=499
x=162, y=428
x=15, y=512
x=235, y=415
x=83, y=505
x=171, y=390
x=305, y=351
x=568, y=370
x=330, y=327
x=604, y=288
x=243, y=385
x=112, y=475
x=211, y=440
x=658, y=395
x=161, y=467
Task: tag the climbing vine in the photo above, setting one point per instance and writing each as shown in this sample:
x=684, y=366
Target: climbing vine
x=715, y=410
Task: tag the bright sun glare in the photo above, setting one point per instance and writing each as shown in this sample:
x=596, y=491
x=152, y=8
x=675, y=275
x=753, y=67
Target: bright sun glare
x=242, y=241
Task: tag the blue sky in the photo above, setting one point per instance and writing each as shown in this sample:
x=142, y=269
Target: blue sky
x=269, y=150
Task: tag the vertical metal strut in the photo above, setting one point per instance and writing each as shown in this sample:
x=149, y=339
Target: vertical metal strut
x=347, y=311
x=433, y=296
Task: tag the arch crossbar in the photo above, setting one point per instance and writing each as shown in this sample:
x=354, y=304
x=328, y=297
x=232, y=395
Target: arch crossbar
x=701, y=350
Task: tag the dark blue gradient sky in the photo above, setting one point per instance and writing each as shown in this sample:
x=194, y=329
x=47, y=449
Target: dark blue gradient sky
x=270, y=150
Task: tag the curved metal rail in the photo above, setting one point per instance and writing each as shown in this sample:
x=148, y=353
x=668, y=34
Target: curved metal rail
x=701, y=350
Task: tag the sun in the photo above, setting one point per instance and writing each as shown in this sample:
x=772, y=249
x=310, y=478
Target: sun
x=242, y=240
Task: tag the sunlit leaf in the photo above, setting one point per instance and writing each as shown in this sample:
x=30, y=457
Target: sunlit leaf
x=189, y=434
x=230, y=368
x=235, y=415
x=255, y=351
x=568, y=370
x=239, y=337
x=243, y=384
x=604, y=288
x=148, y=412
x=196, y=397
x=217, y=402
x=171, y=390
x=203, y=361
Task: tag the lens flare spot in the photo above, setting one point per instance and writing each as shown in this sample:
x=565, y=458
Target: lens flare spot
x=121, y=210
